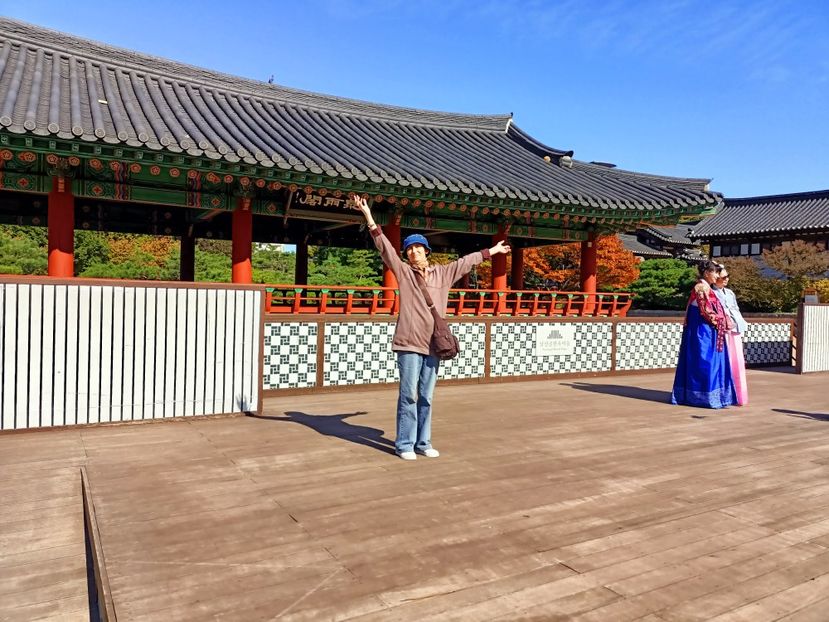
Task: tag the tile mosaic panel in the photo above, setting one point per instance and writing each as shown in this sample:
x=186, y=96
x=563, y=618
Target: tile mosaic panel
x=767, y=343
x=647, y=345
x=470, y=362
x=290, y=355
x=359, y=353
x=514, y=350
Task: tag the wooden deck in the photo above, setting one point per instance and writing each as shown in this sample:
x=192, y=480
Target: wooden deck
x=560, y=500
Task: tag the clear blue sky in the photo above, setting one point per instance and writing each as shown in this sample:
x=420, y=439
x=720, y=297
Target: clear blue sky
x=734, y=90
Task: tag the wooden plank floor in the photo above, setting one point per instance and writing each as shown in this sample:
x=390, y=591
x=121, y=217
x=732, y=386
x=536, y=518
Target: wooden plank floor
x=42, y=554
x=558, y=500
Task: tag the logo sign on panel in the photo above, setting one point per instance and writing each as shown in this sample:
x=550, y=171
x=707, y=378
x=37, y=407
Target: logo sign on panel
x=555, y=339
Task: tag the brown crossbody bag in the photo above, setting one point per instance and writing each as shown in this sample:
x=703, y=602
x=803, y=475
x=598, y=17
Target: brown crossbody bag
x=444, y=343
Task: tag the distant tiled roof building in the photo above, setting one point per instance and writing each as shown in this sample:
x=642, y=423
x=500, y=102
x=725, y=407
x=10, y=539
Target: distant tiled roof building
x=662, y=242
x=748, y=226
x=643, y=251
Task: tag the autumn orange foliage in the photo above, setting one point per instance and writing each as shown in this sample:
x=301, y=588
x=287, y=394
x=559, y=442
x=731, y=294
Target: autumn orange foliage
x=558, y=265
x=154, y=250
x=617, y=267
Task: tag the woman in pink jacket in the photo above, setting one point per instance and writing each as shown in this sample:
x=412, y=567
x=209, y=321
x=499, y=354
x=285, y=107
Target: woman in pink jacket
x=416, y=361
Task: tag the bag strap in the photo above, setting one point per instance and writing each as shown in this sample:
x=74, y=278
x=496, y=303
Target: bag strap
x=421, y=282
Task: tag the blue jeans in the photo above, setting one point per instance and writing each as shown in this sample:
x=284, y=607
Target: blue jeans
x=418, y=374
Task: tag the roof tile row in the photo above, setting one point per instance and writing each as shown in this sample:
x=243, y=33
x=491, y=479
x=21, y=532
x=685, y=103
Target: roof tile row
x=803, y=211
x=53, y=84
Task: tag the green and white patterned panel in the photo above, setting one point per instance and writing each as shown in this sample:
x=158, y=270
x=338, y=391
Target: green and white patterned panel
x=359, y=353
x=290, y=355
x=647, y=345
x=514, y=349
x=471, y=361
x=768, y=343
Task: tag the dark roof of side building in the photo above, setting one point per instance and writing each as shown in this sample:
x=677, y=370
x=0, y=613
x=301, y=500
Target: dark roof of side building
x=57, y=85
x=631, y=243
x=774, y=214
x=676, y=235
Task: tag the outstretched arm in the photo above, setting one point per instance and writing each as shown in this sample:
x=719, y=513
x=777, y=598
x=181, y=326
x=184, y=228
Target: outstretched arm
x=387, y=252
x=463, y=265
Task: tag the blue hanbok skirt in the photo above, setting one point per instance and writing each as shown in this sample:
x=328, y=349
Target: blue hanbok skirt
x=703, y=375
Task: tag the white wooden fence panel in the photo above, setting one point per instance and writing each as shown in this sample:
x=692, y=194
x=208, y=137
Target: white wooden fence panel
x=169, y=353
x=221, y=346
x=117, y=354
x=9, y=357
x=159, y=321
x=814, y=349
x=211, y=330
x=250, y=350
x=95, y=353
x=180, y=353
x=32, y=396
x=238, y=349
x=102, y=353
x=60, y=348
x=23, y=353
x=228, y=350
x=200, y=341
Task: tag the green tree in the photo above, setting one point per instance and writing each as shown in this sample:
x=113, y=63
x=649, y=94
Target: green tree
x=798, y=265
x=37, y=235
x=91, y=247
x=271, y=266
x=344, y=266
x=211, y=266
x=20, y=253
x=663, y=284
x=755, y=291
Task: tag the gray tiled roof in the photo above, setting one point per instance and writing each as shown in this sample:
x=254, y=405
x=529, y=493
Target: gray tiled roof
x=677, y=234
x=803, y=211
x=631, y=243
x=54, y=84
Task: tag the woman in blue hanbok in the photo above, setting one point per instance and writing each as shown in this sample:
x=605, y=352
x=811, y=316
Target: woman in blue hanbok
x=703, y=373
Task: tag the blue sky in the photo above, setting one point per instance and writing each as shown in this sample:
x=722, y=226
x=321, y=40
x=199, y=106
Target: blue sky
x=737, y=91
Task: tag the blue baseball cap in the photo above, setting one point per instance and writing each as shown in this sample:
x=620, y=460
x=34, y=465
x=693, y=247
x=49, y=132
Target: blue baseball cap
x=416, y=238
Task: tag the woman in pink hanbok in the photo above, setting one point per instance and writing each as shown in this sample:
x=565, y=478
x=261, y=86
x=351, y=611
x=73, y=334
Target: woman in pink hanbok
x=734, y=337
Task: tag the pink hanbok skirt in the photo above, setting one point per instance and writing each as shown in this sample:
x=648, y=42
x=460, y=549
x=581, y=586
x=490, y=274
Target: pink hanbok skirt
x=738, y=366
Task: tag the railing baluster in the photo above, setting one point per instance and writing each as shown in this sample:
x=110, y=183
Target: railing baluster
x=297, y=299
x=316, y=299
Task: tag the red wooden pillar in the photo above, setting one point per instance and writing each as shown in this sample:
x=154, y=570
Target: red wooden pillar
x=392, y=232
x=187, y=257
x=301, y=270
x=60, y=221
x=517, y=268
x=587, y=266
x=499, y=264
x=242, y=231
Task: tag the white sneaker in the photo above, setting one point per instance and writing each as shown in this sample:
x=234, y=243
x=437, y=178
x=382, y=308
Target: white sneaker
x=429, y=453
x=407, y=455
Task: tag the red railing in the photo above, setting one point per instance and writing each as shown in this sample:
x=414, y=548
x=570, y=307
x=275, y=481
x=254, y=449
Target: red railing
x=329, y=300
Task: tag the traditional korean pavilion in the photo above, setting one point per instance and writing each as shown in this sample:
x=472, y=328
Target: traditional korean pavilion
x=97, y=137
x=748, y=226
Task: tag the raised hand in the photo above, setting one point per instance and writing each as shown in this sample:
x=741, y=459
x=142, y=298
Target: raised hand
x=359, y=203
x=499, y=248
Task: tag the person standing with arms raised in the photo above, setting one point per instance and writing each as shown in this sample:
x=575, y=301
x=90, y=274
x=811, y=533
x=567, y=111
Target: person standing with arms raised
x=416, y=360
